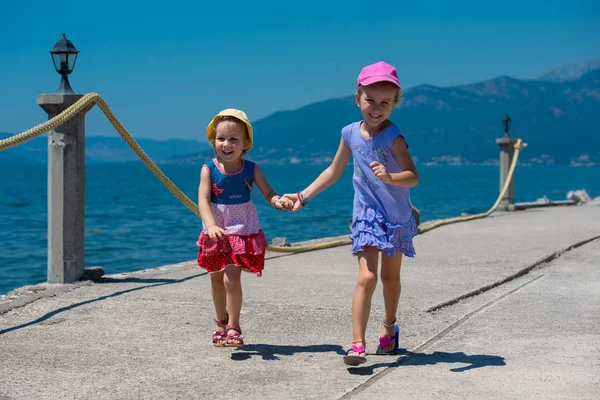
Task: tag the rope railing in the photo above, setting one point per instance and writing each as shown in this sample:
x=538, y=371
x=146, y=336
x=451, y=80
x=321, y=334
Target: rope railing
x=91, y=99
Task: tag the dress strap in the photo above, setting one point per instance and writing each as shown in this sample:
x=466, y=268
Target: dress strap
x=250, y=169
x=210, y=164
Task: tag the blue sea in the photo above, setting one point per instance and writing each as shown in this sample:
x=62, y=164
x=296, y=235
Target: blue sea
x=133, y=222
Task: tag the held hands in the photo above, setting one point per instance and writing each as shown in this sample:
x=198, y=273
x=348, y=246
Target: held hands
x=283, y=203
x=380, y=172
x=294, y=200
x=215, y=232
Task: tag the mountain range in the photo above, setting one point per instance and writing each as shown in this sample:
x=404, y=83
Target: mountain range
x=569, y=71
x=559, y=119
x=557, y=115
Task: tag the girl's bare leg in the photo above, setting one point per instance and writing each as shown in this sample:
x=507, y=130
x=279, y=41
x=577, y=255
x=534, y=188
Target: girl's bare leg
x=390, y=278
x=219, y=300
x=233, y=287
x=219, y=295
x=365, y=287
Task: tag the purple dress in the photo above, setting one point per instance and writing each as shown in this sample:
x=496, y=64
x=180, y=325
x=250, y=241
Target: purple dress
x=382, y=216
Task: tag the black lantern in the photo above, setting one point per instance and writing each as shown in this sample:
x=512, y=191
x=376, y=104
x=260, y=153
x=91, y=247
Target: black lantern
x=64, y=55
x=506, y=121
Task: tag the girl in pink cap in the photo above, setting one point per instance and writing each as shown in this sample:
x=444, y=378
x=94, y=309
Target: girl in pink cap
x=231, y=239
x=382, y=220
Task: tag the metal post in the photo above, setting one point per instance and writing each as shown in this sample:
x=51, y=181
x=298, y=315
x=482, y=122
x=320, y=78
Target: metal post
x=66, y=153
x=507, y=152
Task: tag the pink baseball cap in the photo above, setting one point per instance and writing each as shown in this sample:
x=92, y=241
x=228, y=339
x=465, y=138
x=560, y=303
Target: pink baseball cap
x=378, y=72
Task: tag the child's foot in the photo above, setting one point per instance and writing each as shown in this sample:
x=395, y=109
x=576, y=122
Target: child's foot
x=234, y=336
x=357, y=354
x=388, y=342
x=219, y=334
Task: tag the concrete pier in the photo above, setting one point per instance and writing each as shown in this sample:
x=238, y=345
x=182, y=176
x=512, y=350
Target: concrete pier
x=503, y=307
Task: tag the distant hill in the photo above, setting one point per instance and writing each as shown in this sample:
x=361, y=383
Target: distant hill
x=101, y=149
x=453, y=125
x=569, y=71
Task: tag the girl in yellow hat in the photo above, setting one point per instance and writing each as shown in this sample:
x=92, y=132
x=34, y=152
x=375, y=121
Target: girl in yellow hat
x=231, y=239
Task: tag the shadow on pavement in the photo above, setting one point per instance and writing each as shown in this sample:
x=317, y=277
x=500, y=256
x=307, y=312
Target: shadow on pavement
x=273, y=352
x=153, y=283
x=408, y=358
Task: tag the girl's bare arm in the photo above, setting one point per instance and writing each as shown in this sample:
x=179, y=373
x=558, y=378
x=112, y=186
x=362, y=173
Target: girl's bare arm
x=330, y=174
x=409, y=176
x=206, y=214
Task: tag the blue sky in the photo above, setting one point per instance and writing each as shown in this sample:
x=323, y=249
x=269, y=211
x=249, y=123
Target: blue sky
x=165, y=68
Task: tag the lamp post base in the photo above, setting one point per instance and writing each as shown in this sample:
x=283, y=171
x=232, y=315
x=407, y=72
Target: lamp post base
x=64, y=86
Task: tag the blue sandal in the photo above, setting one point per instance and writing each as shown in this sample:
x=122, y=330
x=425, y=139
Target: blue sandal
x=385, y=341
x=356, y=359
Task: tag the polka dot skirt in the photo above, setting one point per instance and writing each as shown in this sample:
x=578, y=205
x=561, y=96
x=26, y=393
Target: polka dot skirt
x=248, y=252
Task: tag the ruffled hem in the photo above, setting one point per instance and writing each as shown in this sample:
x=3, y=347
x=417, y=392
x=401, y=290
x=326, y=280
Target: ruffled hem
x=217, y=263
x=371, y=229
x=254, y=244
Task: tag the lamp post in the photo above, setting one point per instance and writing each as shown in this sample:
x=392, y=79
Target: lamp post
x=66, y=172
x=506, y=122
x=507, y=151
x=64, y=54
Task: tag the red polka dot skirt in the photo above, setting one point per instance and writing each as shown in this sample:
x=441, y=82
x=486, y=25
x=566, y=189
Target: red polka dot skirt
x=246, y=251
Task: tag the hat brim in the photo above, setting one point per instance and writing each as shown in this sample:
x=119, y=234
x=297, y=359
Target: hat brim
x=375, y=79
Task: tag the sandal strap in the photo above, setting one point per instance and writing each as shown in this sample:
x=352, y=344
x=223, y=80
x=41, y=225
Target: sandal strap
x=384, y=341
x=234, y=328
x=235, y=336
x=222, y=321
x=358, y=349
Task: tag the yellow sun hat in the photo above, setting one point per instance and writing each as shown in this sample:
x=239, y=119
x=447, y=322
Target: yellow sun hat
x=229, y=112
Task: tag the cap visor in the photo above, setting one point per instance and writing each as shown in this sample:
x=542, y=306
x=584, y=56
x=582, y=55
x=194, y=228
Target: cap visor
x=374, y=79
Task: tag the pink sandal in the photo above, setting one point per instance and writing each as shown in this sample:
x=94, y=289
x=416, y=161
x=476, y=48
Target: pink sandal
x=218, y=337
x=356, y=359
x=385, y=341
x=237, y=336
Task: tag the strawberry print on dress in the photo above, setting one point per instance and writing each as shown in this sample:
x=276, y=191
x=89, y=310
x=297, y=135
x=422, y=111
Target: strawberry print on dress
x=216, y=189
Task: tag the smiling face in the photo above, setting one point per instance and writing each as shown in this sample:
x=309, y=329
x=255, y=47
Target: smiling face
x=231, y=139
x=376, y=102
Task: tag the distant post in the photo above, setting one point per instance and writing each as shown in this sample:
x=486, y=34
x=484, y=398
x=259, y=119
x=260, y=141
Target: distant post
x=507, y=152
x=66, y=173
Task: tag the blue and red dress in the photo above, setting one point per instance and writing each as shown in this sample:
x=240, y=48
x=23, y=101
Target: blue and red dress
x=232, y=207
